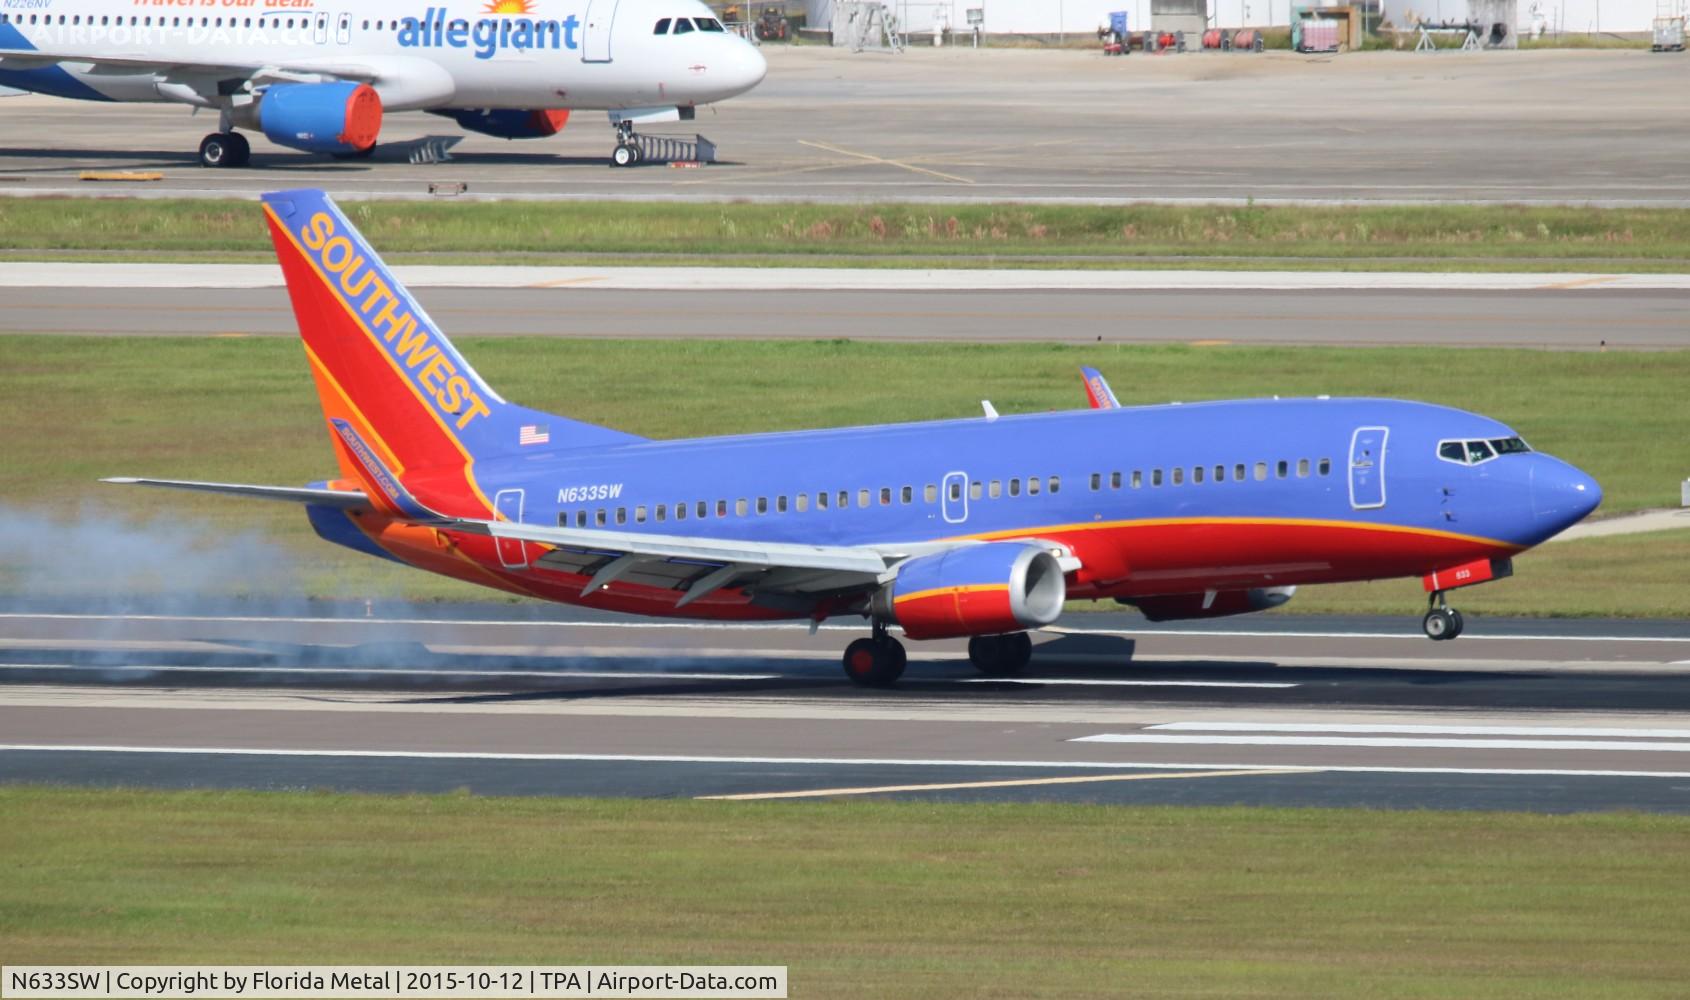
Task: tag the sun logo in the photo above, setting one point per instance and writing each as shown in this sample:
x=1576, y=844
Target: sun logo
x=509, y=7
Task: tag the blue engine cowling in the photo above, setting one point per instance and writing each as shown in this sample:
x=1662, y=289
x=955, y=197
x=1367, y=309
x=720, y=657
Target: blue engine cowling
x=321, y=117
x=506, y=123
x=975, y=590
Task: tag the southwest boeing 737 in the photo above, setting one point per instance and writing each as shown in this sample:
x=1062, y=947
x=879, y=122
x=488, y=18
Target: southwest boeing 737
x=977, y=528
x=317, y=75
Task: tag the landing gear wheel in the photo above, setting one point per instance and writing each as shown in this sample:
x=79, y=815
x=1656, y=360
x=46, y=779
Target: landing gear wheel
x=625, y=155
x=1441, y=624
x=875, y=662
x=224, y=149
x=1459, y=622
x=1000, y=655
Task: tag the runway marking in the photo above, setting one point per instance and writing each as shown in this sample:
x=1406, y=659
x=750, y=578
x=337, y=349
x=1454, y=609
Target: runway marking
x=398, y=672
x=1017, y=783
x=561, y=282
x=881, y=159
x=1414, y=636
x=1297, y=727
x=1398, y=744
x=1076, y=765
x=1584, y=282
x=1085, y=682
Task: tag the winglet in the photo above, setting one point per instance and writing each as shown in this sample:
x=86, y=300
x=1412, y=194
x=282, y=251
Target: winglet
x=1098, y=392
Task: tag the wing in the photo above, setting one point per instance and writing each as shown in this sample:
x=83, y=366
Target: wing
x=340, y=499
x=307, y=71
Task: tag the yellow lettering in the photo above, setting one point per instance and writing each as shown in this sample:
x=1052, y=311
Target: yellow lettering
x=412, y=344
x=476, y=409
x=345, y=246
x=364, y=275
x=452, y=399
x=437, y=368
x=318, y=230
x=381, y=292
x=393, y=322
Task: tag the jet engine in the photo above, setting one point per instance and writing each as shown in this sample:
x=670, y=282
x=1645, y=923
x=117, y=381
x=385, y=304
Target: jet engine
x=1210, y=604
x=510, y=124
x=338, y=117
x=975, y=590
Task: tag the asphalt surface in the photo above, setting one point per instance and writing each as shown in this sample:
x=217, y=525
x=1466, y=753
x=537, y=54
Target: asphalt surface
x=990, y=125
x=1542, y=716
x=1575, y=319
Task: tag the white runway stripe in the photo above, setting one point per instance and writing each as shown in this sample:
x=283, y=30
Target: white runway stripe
x=1076, y=765
x=1087, y=682
x=1303, y=727
x=1386, y=741
x=401, y=672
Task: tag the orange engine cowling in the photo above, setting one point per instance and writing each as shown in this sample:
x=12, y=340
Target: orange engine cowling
x=506, y=123
x=975, y=590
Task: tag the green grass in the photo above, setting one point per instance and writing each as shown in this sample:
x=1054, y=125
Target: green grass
x=1383, y=237
x=862, y=899
x=243, y=410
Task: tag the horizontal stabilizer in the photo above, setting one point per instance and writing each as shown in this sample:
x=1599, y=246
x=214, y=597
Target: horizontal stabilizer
x=340, y=499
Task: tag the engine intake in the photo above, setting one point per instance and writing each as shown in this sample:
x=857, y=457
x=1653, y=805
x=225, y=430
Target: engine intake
x=976, y=590
x=321, y=117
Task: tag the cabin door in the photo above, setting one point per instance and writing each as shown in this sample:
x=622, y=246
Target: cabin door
x=953, y=497
x=1367, y=467
x=513, y=552
x=595, y=34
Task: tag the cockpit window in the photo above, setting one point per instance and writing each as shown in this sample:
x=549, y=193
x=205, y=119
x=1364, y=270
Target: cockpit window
x=1479, y=452
x=707, y=24
x=682, y=25
x=662, y=27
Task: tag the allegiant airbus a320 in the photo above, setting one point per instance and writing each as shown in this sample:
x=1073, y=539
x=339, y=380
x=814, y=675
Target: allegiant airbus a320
x=317, y=75
x=979, y=528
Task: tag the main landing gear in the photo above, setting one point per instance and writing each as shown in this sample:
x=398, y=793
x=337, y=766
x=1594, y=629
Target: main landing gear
x=225, y=149
x=1000, y=655
x=1441, y=621
x=627, y=152
x=877, y=661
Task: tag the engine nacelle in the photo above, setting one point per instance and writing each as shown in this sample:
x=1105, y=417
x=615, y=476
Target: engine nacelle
x=1218, y=604
x=510, y=124
x=321, y=117
x=975, y=590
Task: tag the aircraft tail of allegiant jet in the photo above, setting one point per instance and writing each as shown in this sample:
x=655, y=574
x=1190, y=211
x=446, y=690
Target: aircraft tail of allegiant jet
x=390, y=381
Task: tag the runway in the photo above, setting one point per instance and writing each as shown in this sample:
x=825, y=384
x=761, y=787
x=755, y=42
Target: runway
x=1582, y=318
x=1001, y=125
x=1542, y=716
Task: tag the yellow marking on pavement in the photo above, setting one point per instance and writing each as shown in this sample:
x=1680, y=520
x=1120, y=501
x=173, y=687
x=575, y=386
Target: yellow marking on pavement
x=231, y=335
x=1582, y=282
x=1078, y=779
x=881, y=159
x=120, y=175
x=1211, y=343
x=559, y=283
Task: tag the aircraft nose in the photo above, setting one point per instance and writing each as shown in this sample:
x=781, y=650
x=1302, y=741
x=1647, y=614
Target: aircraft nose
x=747, y=68
x=1561, y=495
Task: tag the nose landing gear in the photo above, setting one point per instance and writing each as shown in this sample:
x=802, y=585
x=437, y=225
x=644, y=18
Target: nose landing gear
x=1441, y=621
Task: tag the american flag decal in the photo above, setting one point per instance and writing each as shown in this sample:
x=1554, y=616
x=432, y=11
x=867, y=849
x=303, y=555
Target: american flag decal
x=533, y=434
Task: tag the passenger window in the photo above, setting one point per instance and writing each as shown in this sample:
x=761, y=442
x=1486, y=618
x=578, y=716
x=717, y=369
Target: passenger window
x=821, y=500
x=1220, y=473
x=954, y=488
x=681, y=511
x=1032, y=486
x=598, y=517
x=1196, y=474
x=1015, y=487
x=801, y=502
x=682, y=26
x=780, y=504
x=1325, y=467
x=1096, y=481
x=721, y=508
x=1179, y=476
x=886, y=496
x=1115, y=480
x=662, y=512
x=1138, y=480
x=563, y=518
x=741, y=506
x=1302, y=468
x=907, y=494
x=662, y=27
x=1055, y=484
x=994, y=489
x=1261, y=471
x=621, y=515
x=974, y=490
x=762, y=505
x=639, y=514
x=1155, y=477
x=580, y=519
x=862, y=498
x=1282, y=468
x=930, y=493
x=844, y=499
